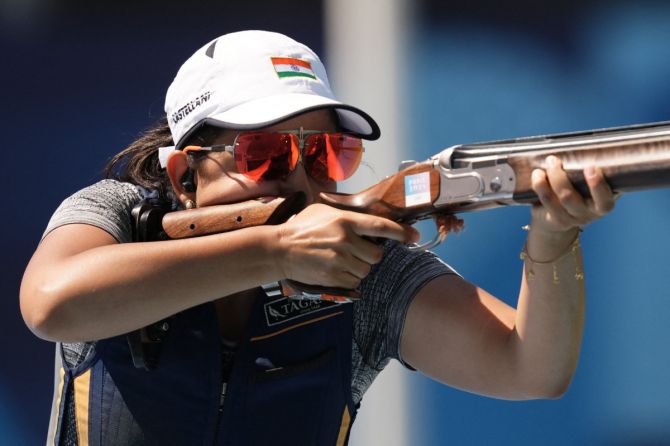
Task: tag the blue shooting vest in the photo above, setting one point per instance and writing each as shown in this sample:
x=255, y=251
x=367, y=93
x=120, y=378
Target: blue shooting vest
x=290, y=383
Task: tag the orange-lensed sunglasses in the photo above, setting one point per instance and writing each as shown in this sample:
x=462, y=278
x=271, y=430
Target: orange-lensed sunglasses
x=274, y=155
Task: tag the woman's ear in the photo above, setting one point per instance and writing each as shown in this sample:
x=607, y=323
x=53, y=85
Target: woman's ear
x=178, y=168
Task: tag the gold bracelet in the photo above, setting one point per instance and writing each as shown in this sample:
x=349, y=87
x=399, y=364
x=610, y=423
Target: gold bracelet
x=573, y=248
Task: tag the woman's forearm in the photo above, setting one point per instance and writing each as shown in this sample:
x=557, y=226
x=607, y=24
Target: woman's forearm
x=82, y=285
x=113, y=289
x=550, y=311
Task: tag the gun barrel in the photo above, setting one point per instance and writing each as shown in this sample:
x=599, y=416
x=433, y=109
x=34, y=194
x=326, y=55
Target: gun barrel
x=632, y=158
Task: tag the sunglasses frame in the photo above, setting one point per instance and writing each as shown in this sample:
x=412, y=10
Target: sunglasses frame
x=300, y=133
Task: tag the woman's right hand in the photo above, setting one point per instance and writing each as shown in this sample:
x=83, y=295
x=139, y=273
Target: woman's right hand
x=325, y=246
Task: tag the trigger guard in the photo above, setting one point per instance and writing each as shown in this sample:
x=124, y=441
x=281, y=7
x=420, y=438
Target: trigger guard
x=428, y=245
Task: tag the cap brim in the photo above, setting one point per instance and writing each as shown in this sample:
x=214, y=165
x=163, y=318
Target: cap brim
x=270, y=110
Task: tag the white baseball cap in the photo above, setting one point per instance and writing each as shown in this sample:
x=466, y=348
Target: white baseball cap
x=253, y=79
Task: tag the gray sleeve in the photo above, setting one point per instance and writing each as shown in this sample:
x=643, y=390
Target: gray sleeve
x=106, y=205
x=387, y=292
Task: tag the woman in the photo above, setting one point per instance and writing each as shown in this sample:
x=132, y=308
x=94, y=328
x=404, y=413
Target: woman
x=251, y=115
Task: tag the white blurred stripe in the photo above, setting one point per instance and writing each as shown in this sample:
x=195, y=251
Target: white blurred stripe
x=366, y=60
x=366, y=47
x=384, y=416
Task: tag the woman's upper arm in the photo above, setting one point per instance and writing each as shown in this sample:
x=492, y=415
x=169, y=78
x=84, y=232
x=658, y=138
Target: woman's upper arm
x=72, y=239
x=458, y=334
x=56, y=247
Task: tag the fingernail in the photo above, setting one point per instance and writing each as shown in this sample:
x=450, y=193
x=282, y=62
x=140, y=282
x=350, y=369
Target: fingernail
x=590, y=171
x=552, y=161
x=537, y=175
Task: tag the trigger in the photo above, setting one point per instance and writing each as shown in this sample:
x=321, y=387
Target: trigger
x=445, y=223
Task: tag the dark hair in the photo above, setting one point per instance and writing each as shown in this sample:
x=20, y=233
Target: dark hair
x=138, y=163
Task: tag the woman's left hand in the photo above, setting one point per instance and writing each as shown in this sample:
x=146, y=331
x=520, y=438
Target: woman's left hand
x=561, y=206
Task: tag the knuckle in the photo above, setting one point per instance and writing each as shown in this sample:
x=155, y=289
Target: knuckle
x=596, y=181
x=566, y=196
x=378, y=254
x=538, y=183
x=326, y=260
x=354, y=282
x=339, y=220
x=340, y=238
x=378, y=224
x=333, y=257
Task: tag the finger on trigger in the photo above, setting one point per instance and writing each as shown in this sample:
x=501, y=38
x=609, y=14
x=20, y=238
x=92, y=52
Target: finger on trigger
x=373, y=226
x=414, y=234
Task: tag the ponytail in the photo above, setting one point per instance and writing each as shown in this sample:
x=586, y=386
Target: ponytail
x=138, y=163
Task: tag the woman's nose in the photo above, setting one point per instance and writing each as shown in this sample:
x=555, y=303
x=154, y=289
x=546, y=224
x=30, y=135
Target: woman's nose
x=298, y=180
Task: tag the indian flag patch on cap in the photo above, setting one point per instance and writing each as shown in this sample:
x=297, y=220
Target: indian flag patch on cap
x=290, y=67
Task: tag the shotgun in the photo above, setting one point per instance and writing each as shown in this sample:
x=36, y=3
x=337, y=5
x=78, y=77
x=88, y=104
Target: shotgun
x=461, y=178
x=464, y=178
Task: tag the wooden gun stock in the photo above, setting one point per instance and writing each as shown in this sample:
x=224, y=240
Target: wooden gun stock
x=229, y=217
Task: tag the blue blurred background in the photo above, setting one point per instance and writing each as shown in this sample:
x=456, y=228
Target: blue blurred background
x=524, y=68
x=81, y=79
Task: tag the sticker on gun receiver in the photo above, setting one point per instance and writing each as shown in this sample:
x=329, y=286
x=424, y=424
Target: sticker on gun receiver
x=417, y=189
